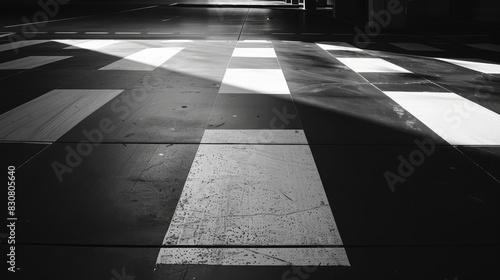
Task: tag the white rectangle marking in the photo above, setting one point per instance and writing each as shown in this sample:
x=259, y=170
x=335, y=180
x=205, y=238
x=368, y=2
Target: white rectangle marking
x=488, y=68
x=51, y=115
x=128, y=33
x=96, y=32
x=339, y=47
x=20, y=44
x=456, y=119
x=145, y=60
x=253, y=195
x=263, y=81
x=372, y=65
x=253, y=136
x=255, y=256
x=30, y=62
x=254, y=52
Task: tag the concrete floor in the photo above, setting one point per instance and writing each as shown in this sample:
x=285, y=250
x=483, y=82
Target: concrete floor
x=161, y=142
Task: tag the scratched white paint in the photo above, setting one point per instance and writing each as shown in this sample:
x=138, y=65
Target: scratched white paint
x=254, y=195
x=255, y=256
x=254, y=136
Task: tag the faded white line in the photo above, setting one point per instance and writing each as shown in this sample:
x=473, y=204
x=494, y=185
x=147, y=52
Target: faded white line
x=486, y=46
x=30, y=62
x=6, y=34
x=416, y=47
x=167, y=19
x=20, y=44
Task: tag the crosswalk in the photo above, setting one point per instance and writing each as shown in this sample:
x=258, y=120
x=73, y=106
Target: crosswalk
x=253, y=194
x=454, y=118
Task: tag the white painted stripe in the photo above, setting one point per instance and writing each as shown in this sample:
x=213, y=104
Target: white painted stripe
x=145, y=60
x=6, y=34
x=66, y=32
x=486, y=46
x=254, y=52
x=35, y=32
x=254, y=41
x=488, y=68
x=252, y=136
x=255, y=256
x=51, y=115
x=86, y=44
x=128, y=33
x=253, y=195
x=339, y=47
x=30, y=62
x=456, y=119
x=416, y=47
x=96, y=32
x=371, y=65
x=20, y=44
x=177, y=41
x=160, y=33
x=265, y=81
